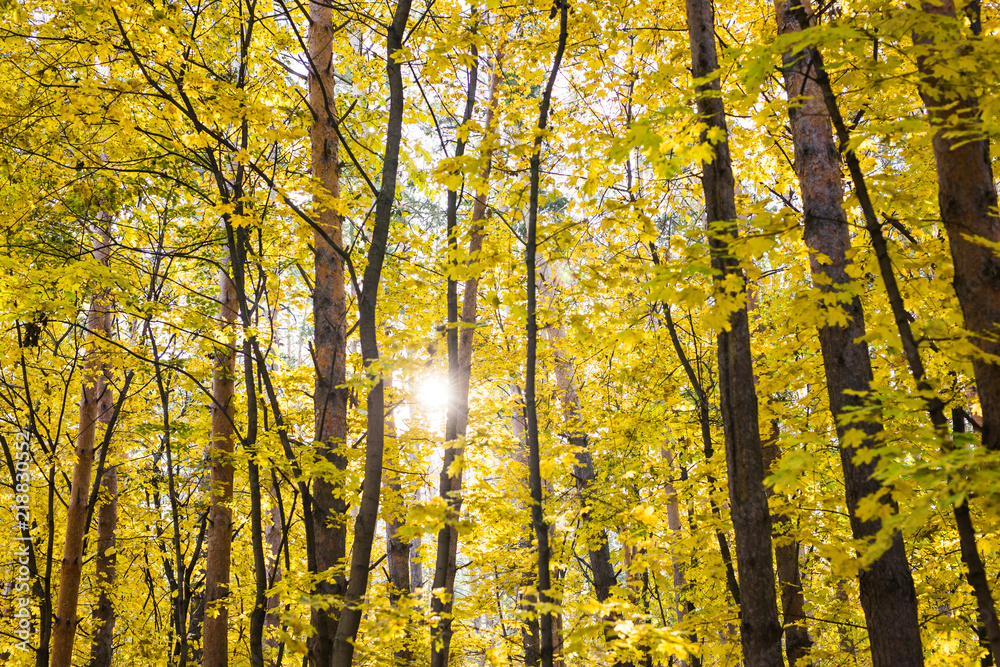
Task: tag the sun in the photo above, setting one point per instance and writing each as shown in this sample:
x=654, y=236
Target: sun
x=432, y=393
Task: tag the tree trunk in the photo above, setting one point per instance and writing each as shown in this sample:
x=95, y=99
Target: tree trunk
x=527, y=602
x=92, y=402
x=275, y=536
x=598, y=549
x=967, y=198
x=975, y=572
x=215, y=647
x=887, y=592
x=760, y=629
x=107, y=524
x=101, y=648
x=367, y=519
x=397, y=550
x=530, y=408
x=329, y=320
x=798, y=643
x=460, y=345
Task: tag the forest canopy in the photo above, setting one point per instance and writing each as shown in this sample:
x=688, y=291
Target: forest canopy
x=419, y=332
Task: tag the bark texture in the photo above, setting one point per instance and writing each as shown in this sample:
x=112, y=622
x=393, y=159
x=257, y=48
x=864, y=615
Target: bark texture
x=886, y=587
x=215, y=646
x=93, y=399
x=366, y=522
x=329, y=320
x=760, y=629
x=967, y=198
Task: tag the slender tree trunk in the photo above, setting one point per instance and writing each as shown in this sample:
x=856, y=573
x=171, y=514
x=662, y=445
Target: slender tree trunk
x=674, y=526
x=91, y=403
x=598, y=549
x=107, y=523
x=397, y=550
x=967, y=197
x=367, y=519
x=215, y=646
x=527, y=602
x=460, y=346
x=442, y=598
x=760, y=629
x=975, y=571
x=329, y=319
x=416, y=567
x=798, y=643
x=274, y=534
x=705, y=427
x=887, y=592
x=531, y=413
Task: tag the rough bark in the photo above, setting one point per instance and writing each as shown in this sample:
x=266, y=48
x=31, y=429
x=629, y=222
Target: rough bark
x=92, y=401
x=887, y=592
x=760, y=629
x=967, y=198
x=531, y=413
x=329, y=320
x=935, y=407
x=365, y=524
x=215, y=646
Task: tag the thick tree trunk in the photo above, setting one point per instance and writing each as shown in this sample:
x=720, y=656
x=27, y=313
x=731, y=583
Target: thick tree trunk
x=92, y=402
x=329, y=320
x=760, y=629
x=887, y=592
x=761, y=633
x=215, y=647
x=367, y=519
x=967, y=198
